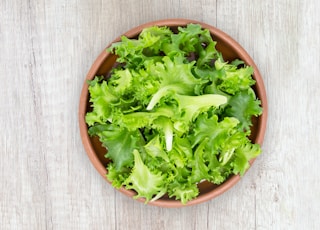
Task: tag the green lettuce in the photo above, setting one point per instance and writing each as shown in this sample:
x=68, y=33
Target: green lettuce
x=173, y=113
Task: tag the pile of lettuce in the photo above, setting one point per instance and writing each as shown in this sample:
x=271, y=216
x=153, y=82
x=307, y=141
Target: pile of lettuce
x=173, y=113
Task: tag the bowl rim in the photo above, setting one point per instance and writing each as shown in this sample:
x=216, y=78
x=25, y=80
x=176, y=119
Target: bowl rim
x=243, y=55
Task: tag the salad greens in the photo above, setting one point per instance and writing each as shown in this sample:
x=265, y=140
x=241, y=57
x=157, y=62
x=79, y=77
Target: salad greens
x=173, y=113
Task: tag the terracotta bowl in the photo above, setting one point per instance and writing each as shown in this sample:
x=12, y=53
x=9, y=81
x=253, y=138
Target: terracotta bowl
x=230, y=50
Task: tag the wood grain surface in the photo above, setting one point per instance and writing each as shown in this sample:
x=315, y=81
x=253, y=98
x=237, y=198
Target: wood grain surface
x=47, y=181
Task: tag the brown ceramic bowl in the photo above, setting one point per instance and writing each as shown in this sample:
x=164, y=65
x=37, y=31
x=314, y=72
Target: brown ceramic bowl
x=230, y=50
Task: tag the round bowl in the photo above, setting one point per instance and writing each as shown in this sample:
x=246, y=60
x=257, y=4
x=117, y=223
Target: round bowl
x=230, y=50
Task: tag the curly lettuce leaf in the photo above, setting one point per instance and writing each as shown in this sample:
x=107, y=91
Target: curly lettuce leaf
x=243, y=106
x=174, y=76
x=215, y=131
x=149, y=185
x=191, y=106
x=117, y=176
x=233, y=79
x=139, y=119
x=121, y=82
x=135, y=52
x=183, y=191
x=101, y=96
x=243, y=155
x=119, y=141
x=222, y=146
x=156, y=149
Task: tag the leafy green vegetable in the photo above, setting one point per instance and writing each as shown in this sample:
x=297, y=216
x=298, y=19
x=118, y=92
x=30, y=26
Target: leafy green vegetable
x=174, y=77
x=243, y=105
x=120, y=143
x=145, y=182
x=173, y=113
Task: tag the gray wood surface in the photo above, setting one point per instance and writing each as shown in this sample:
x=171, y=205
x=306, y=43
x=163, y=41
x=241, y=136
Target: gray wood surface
x=47, y=181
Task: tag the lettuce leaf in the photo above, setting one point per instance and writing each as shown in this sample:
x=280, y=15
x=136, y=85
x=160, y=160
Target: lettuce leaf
x=146, y=183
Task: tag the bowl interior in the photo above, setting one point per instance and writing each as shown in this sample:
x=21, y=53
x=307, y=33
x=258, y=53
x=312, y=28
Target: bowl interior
x=230, y=50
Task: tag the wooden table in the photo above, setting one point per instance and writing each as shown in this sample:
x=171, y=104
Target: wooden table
x=47, y=181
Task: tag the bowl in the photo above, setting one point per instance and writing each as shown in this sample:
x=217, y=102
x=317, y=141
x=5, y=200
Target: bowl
x=230, y=50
